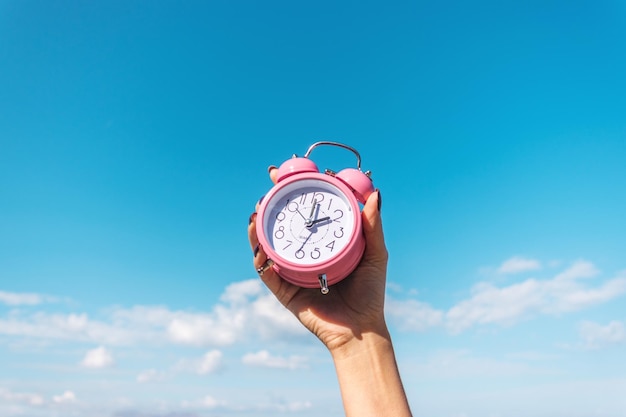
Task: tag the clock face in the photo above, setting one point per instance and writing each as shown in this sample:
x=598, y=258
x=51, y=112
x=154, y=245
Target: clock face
x=308, y=221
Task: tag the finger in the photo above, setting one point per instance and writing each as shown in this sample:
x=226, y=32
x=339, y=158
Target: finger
x=258, y=203
x=267, y=274
x=252, y=237
x=373, y=228
x=273, y=171
x=271, y=279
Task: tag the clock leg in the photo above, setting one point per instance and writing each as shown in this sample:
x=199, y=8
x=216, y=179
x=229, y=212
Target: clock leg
x=323, y=284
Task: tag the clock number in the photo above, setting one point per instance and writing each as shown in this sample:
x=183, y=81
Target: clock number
x=336, y=219
x=292, y=206
x=331, y=245
x=299, y=254
x=303, y=198
x=338, y=236
x=315, y=254
x=329, y=204
x=289, y=242
x=280, y=232
x=315, y=198
x=280, y=216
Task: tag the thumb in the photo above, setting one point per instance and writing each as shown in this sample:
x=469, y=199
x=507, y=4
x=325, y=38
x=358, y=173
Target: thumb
x=375, y=248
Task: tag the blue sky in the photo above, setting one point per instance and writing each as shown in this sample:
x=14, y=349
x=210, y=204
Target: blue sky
x=134, y=142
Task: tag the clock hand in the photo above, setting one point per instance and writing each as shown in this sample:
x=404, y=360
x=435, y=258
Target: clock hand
x=312, y=211
x=305, y=240
x=309, y=222
x=302, y=215
x=323, y=219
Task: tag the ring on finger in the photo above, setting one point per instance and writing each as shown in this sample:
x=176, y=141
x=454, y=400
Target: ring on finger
x=266, y=265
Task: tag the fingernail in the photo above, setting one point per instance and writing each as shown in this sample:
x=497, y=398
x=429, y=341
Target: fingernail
x=380, y=199
x=256, y=249
x=271, y=167
x=261, y=199
x=251, y=219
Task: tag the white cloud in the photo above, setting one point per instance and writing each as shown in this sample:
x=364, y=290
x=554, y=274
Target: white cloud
x=199, y=329
x=394, y=287
x=97, y=358
x=595, y=335
x=272, y=321
x=532, y=356
x=580, y=269
x=19, y=299
x=507, y=305
x=264, y=359
x=276, y=405
x=247, y=310
x=76, y=327
x=261, y=315
x=454, y=364
x=211, y=362
x=518, y=264
x=65, y=398
x=21, y=397
x=412, y=314
x=568, y=291
x=286, y=406
x=207, y=402
x=150, y=375
x=490, y=304
x=241, y=292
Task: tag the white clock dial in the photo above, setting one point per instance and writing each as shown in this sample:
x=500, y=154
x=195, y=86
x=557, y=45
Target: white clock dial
x=309, y=221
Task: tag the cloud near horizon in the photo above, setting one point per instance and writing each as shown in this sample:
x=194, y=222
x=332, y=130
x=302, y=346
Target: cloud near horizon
x=264, y=359
x=595, y=335
x=247, y=311
x=489, y=304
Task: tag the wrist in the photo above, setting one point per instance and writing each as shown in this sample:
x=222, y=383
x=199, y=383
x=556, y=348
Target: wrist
x=369, y=378
x=361, y=344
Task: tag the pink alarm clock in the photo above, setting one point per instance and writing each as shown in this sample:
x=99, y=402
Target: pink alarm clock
x=309, y=223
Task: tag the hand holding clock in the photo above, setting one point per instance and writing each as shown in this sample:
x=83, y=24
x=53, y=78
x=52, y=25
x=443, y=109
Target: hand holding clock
x=350, y=320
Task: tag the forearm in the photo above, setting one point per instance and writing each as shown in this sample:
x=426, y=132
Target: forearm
x=369, y=378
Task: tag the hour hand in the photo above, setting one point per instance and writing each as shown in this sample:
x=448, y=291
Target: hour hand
x=323, y=219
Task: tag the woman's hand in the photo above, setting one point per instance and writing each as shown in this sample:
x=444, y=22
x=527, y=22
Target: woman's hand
x=350, y=321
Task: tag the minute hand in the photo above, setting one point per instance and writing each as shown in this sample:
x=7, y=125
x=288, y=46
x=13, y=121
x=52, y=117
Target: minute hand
x=312, y=212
